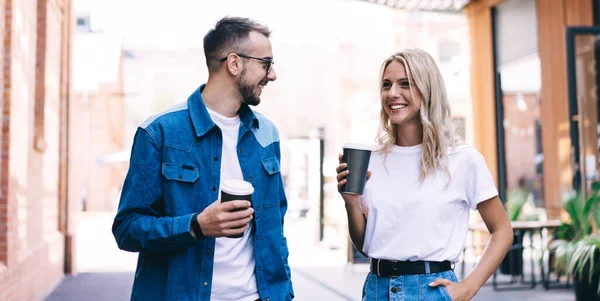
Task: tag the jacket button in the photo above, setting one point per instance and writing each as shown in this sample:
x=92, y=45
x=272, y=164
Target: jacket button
x=394, y=289
x=259, y=268
x=205, y=283
x=180, y=177
x=214, y=188
x=216, y=158
x=241, y=151
x=250, y=179
x=208, y=251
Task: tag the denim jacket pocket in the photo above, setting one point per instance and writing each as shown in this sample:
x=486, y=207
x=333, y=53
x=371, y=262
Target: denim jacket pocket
x=178, y=172
x=271, y=165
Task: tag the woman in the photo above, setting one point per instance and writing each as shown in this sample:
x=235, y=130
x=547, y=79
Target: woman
x=412, y=219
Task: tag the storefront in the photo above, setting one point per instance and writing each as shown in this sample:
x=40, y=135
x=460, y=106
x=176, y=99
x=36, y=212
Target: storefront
x=535, y=96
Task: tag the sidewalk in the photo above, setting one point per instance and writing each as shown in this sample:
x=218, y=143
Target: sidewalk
x=310, y=283
x=318, y=273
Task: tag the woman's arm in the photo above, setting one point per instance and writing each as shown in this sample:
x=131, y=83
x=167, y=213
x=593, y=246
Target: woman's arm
x=356, y=219
x=497, y=222
x=356, y=223
x=501, y=239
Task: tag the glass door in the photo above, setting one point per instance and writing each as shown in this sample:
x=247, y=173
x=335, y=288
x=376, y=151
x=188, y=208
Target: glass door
x=583, y=52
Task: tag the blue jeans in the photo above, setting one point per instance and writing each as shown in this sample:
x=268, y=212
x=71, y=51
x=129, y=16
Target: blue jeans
x=406, y=288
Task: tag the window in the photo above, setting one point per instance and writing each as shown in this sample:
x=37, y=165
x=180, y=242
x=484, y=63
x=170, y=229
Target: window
x=518, y=84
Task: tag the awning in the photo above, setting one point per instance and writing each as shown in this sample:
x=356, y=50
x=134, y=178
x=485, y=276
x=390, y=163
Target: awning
x=453, y=6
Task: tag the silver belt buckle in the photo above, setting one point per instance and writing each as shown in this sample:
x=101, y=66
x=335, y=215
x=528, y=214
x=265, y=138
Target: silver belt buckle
x=395, y=269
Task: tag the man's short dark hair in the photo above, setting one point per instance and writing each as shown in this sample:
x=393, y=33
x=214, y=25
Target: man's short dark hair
x=229, y=35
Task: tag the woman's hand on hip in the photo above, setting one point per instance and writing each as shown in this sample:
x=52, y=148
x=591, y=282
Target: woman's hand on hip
x=457, y=291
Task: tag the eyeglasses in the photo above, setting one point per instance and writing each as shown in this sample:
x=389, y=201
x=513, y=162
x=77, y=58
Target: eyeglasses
x=268, y=63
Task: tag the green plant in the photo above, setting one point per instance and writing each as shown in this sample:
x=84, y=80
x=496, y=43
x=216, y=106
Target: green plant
x=584, y=219
x=585, y=259
x=512, y=264
x=514, y=204
x=563, y=254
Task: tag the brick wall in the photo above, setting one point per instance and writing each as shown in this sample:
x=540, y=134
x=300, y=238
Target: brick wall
x=65, y=93
x=6, y=11
x=32, y=249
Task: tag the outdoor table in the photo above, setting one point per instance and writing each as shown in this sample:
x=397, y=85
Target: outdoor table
x=521, y=228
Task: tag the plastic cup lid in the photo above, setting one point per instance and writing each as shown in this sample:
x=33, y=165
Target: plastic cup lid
x=358, y=146
x=237, y=187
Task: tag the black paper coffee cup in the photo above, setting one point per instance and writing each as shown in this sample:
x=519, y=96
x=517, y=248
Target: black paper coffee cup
x=357, y=156
x=236, y=190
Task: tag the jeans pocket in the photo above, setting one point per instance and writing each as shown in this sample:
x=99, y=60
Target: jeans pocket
x=445, y=293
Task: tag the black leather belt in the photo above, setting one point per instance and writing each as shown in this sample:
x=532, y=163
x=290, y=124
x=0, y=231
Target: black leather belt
x=391, y=268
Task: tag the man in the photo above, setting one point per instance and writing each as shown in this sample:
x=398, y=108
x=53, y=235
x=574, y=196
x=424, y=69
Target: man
x=170, y=210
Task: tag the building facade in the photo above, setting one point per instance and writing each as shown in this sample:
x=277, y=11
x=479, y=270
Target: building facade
x=35, y=50
x=535, y=101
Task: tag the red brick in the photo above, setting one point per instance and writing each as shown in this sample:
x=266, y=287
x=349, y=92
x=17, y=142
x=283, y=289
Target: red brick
x=30, y=276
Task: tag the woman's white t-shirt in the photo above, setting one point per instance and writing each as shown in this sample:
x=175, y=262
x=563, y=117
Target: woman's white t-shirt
x=410, y=220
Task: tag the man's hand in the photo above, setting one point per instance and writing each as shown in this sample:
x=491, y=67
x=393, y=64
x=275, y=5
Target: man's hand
x=218, y=220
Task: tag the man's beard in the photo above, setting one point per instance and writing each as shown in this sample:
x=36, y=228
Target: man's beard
x=247, y=91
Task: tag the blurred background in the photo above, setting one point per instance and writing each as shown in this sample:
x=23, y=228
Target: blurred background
x=79, y=76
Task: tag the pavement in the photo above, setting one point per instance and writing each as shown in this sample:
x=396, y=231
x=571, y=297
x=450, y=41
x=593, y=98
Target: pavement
x=319, y=268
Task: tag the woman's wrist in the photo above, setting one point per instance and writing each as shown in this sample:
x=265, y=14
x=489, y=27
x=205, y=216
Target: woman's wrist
x=352, y=203
x=472, y=288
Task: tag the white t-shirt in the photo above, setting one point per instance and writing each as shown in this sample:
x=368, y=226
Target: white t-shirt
x=233, y=271
x=410, y=220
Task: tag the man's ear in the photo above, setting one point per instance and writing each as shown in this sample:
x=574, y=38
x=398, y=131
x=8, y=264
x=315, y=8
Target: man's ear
x=234, y=64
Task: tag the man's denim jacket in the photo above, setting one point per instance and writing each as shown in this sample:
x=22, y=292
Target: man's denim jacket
x=174, y=172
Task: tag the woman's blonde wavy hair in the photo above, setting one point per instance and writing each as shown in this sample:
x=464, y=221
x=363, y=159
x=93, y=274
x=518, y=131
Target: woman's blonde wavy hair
x=436, y=121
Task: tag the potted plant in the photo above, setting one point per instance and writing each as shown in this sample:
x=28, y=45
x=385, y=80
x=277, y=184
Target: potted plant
x=576, y=248
x=585, y=266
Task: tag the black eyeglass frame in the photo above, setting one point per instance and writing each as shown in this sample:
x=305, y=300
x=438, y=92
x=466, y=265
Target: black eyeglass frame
x=268, y=62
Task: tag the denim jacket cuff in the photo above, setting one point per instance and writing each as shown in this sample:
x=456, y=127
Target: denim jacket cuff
x=181, y=230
